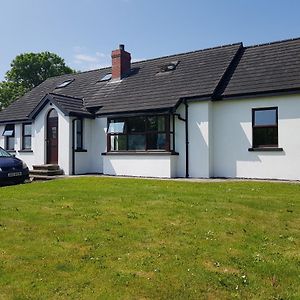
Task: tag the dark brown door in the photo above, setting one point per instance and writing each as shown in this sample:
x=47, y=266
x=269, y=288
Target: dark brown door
x=52, y=137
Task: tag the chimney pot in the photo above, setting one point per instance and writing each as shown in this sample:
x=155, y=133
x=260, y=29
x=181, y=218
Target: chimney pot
x=121, y=47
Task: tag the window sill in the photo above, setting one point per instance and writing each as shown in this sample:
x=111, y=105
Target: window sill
x=25, y=151
x=266, y=149
x=80, y=150
x=11, y=151
x=140, y=153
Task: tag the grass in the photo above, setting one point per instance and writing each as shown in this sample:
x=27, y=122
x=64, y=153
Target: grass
x=110, y=238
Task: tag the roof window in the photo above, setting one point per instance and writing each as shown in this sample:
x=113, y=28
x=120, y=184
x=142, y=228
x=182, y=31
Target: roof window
x=106, y=77
x=64, y=84
x=169, y=66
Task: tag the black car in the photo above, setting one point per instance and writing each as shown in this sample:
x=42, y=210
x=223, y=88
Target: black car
x=12, y=169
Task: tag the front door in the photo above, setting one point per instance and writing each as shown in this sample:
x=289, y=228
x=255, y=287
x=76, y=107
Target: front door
x=52, y=137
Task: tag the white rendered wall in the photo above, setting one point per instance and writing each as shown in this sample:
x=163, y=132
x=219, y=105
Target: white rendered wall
x=38, y=154
x=64, y=139
x=180, y=142
x=94, y=141
x=199, y=140
x=232, y=136
x=143, y=165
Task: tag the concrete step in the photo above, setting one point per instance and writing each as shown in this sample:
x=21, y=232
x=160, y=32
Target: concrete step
x=46, y=172
x=46, y=167
x=44, y=177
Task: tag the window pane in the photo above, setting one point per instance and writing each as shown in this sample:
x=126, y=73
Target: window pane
x=152, y=123
x=265, y=117
x=116, y=127
x=156, y=141
x=8, y=133
x=118, y=143
x=265, y=136
x=78, y=126
x=79, y=141
x=156, y=123
x=53, y=114
x=161, y=120
x=27, y=129
x=10, y=143
x=136, y=124
x=27, y=142
x=137, y=142
x=9, y=130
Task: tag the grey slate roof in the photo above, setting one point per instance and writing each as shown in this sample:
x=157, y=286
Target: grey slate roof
x=70, y=106
x=213, y=73
x=266, y=68
x=197, y=74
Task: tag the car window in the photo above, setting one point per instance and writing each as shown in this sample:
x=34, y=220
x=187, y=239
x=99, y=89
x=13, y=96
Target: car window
x=3, y=153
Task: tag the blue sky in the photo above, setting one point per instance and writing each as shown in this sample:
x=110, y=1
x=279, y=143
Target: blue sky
x=84, y=32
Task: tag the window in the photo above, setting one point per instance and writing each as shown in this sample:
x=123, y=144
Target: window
x=79, y=134
x=9, y=134
x=26, y=136
x=64, y=84
x=150, y=133
x=169, y=66
x=265, y=127
x=106, y=77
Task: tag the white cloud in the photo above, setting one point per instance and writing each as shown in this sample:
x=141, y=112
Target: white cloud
x=84, y=60
x=79, y=49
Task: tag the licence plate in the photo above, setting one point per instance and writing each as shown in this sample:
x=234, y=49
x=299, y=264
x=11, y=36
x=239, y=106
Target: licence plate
x=14, y=174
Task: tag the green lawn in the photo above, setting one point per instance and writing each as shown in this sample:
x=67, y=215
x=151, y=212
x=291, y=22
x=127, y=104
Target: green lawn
x=112, y=238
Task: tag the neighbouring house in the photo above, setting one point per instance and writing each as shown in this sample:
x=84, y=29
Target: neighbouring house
x=229, y=111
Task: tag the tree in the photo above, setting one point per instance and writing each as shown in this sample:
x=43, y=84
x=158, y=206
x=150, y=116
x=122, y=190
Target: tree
x=9, y=92
x=27, y=71
x=31, y=69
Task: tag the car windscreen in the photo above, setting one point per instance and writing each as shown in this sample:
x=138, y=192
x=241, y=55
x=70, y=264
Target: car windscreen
x=3, y=153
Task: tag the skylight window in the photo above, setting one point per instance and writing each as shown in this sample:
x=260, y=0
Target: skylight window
x=64, y=84
x=169, y=66
x=106, y=77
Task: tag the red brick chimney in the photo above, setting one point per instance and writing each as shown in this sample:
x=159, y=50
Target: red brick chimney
x=121, y=61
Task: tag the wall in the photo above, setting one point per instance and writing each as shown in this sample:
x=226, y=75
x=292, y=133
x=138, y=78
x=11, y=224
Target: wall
x=180, y=142
x=94, y=142
x=140, y=165
x=38, y=154
x=220, y=134
x=232, y=136
x=199, y=140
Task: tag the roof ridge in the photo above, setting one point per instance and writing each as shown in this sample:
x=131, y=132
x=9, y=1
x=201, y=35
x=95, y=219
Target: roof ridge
x=157, y=58
x=272, y=43
x=189, y=52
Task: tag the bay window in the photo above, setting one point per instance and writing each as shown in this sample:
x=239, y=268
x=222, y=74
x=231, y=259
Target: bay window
x=141, y=133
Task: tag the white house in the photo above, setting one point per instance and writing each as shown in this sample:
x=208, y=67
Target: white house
x=229, y=111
